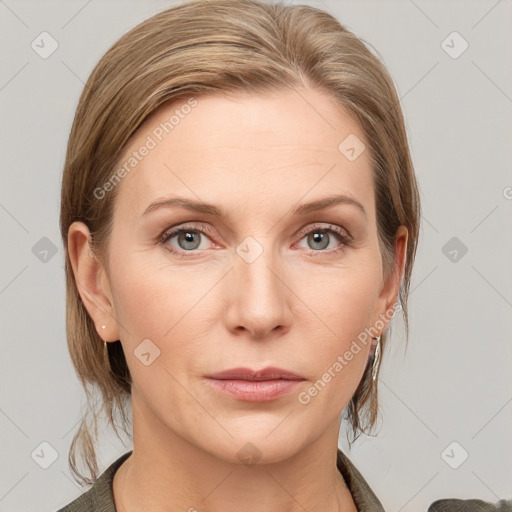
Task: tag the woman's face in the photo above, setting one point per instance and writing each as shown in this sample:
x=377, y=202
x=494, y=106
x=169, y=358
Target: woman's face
x=266, y=284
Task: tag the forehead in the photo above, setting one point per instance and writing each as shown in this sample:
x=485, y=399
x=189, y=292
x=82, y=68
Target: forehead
x=253, y=150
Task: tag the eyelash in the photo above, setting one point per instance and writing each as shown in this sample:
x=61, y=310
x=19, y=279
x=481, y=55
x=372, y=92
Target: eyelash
x=204, y=229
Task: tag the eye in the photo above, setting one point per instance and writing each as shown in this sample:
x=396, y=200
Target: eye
x=188, y=238
x=319, y=237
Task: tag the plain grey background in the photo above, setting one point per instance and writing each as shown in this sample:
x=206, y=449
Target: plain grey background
x=449, y=396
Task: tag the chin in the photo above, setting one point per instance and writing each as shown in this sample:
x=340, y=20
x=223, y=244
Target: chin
x=256, y=448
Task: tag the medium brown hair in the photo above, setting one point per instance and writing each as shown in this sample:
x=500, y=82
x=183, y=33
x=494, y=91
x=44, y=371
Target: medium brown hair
x=199, y=48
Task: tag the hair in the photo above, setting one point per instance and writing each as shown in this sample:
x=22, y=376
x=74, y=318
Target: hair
x=201, y=48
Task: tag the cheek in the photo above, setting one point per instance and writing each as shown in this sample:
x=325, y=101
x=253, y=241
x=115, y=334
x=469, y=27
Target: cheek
x=160, y=306
x=345, y=303
x=150, y=298
x=350, y=308
x=340, y=357
x=163, y=304
x=341, y=300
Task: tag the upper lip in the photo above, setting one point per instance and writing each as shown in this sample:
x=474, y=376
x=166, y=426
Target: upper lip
x=269, y=373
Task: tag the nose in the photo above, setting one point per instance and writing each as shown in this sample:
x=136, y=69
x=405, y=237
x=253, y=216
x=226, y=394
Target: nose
x=258, y=297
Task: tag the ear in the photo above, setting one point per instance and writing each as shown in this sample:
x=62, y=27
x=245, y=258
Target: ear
x=388, y=296
x=92, y=281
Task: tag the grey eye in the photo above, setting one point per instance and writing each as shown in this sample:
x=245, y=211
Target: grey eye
x=319, y=237
x=186, y=240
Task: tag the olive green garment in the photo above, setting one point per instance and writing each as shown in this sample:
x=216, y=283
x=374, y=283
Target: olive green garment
x=99, y=497
x=453, y=505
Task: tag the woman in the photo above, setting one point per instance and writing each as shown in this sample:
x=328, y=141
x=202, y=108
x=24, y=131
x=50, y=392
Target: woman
x=214, y=146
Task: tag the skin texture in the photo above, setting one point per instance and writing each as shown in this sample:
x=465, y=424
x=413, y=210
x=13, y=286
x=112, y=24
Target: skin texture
x=256, y=156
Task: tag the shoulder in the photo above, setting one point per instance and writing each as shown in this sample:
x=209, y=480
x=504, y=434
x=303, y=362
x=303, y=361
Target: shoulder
x=363, y=496
x=99, y=498
x=366, y=500
x=81, y=504
x=454, y=505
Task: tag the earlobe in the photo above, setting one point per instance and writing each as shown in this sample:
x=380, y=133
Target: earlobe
x=91, y=281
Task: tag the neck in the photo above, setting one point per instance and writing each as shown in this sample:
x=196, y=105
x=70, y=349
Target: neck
x=166, y=473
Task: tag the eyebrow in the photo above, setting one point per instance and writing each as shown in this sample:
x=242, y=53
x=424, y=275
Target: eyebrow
x=210, y=209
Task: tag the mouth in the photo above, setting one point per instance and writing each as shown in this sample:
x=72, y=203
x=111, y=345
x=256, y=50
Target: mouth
x=255, y=385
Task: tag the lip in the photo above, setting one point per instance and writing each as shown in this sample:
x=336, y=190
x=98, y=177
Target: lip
x=250, y=385
x=269, y=373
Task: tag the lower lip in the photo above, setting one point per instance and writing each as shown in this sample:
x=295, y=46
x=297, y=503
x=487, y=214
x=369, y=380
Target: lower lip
x=255, y=391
